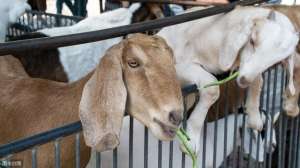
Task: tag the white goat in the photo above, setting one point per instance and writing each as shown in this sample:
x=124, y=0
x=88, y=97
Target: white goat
x=138, y=141
x=79, y=60
x=239, y=39
x=10, y=11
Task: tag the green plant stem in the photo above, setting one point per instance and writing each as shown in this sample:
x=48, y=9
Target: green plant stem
x=229, y=78
x=184, y=139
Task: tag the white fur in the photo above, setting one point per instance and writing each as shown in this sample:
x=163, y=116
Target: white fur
x=10, y=11
x=212, y=45
x=79, y=60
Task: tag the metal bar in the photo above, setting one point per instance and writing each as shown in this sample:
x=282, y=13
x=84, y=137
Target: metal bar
x=225, y=128
x=280, y=119
x=284, y=139
x=34, y=157
x=115, y=158
x=159, y=154
x=250, y=152
x=180, y=2
x=101, y=6
x=298, y=147
x=171, y=154
x=184, y=124
x=296, y=141
x=204, y=144
x=57, y=153
x=243, y=141
x=131, y=142
x=267, y=111
x=291, y=140
x=146, y=138
x=39, y=139
x=98, y=160
x=80, y=38
x=77, y=150
x=235, y=161
x=272, y=113
x=216, y=135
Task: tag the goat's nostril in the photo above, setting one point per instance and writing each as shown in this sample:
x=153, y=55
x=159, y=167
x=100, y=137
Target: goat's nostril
x=175, y=118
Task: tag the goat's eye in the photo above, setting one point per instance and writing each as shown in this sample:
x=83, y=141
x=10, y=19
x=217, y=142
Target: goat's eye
x=133, y=63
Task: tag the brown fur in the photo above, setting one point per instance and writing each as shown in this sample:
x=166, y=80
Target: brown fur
x=40, y=5
x=29, y=106
x=10, y=66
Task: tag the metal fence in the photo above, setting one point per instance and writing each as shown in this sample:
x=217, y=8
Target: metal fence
x=138, y=147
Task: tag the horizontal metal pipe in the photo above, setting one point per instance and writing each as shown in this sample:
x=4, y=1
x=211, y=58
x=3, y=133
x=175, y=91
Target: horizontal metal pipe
x=39, y=139
x=179, y=2
x=80, y=38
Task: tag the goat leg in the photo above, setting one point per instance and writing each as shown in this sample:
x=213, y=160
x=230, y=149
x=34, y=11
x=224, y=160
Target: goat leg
x=195, y=74
x=252, y=104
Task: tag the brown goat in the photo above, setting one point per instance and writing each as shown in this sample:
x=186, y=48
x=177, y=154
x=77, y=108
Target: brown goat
x=138, y=75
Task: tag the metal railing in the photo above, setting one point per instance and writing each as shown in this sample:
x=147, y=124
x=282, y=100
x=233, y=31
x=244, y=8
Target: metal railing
x=166, y=154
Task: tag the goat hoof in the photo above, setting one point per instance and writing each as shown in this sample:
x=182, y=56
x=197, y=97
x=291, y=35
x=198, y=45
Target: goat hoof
x=255, y=123
x=292, y=112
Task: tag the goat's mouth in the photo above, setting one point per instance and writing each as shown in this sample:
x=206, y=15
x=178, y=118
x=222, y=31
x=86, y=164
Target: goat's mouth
x=168, y=131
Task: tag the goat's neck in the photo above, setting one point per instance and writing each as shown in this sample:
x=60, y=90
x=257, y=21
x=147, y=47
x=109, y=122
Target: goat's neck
x=206, y=47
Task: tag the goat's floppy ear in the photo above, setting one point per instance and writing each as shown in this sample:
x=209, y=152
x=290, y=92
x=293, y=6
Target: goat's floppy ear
x=234, y=40
x=103, y=102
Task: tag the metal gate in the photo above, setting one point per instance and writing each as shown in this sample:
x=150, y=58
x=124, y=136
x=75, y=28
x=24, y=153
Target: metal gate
x=138, y=147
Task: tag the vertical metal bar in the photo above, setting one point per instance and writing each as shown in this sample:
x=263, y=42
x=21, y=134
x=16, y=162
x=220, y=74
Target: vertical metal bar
x=146, y=138
x=98, y=160
x=171, y=154
x=101, y=6
x=296, y=141
x=291, y=143
x=257, y=151
x=272, y=115
x=250, y=147
x=184, y=127
x=34, y=157
x=225, y=128
x=234, y=139
x=115, y=158
x=159, y=154
x=182, y=160
x=261, y=105
x=298, y=147
x=57, y=153
x=77, y=150
x=215, y=136
x=267, y=111
x=280, y=119
x=243, y=141
x=284, y=139
x=130, y=142
x=204, y=144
